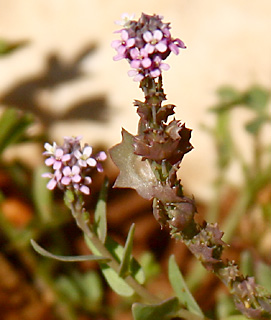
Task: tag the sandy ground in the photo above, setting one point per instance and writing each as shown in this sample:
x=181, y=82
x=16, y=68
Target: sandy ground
x=228, y=42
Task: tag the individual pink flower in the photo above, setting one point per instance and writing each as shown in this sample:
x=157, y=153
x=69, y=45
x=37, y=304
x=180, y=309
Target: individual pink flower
x=175, y=45
x=126, y=19
x=50, y=149
x=140, y=58
x=158, y=66
x=154, y=41
x=54, y=179
x=137, y=76
x=84, y=158
x=71, y=175
x=83, y=186
x=121, y=46
x=57, y=159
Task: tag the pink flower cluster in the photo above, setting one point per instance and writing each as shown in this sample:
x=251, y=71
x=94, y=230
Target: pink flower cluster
x=71, y=164
x=145, y=44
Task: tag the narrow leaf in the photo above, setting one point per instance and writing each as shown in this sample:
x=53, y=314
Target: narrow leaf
x=127, y=254
x=100, y=221
x=47, y=254
x=178, y=284
x=7, y=47
x=7, y=121
x=41, y=195
x=117, y=251
x=263, y=275
x=246, y=263
x=15, y=125
x=162, y=311
x=113, y=279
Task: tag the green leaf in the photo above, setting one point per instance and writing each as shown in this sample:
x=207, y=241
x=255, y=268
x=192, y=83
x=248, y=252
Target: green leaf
x=257, y=99
x=100, y=221
x=47, y=254
x=82, y=289
x=223, y=139
x=127, y=254
x=256, y=124
x=7, y=47
x=68, y=288
x=117, y=283
x=229, y=97
x=178, y=284
x=113, y=279
x=224, y=306
x=13, y=125
x=246, y=263
x=227, y=93
x=150, y=266
x=41, y=195
x=263, y=275
x=162, y=311
x=90, y=287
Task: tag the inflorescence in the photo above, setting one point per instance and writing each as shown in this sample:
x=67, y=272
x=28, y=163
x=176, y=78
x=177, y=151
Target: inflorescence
x=145, y=44
x=72, y=165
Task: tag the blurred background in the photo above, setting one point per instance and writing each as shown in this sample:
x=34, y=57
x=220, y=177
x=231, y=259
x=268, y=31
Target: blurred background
x=57, y=65
x=66, y=76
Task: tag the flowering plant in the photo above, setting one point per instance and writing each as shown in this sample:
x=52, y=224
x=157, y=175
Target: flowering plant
x=148, y=162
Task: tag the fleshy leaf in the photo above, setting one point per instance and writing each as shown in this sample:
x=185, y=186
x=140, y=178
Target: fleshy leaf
x=100, y=221
x=47, y=254
x=134, y=173
x=162, y=311
x=178, y=284
x=127, y=254
x=113, y=279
